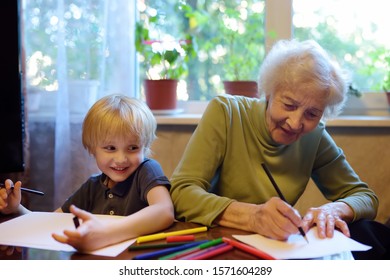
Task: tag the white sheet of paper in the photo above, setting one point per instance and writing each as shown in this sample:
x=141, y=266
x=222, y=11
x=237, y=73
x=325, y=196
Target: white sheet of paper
x=34, y=230
x=297, y=248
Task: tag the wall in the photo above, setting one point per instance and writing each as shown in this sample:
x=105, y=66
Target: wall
x=365, y=148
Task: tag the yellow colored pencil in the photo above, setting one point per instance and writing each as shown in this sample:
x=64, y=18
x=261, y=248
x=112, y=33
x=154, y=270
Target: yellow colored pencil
x=164, y=235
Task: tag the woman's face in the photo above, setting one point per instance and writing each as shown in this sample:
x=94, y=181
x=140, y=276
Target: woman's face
x=290, y=114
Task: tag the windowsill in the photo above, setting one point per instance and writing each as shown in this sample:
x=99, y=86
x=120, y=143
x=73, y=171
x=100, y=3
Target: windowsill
x=179, y=119
x=341, y=121
x=370, y=111
x=373, y=118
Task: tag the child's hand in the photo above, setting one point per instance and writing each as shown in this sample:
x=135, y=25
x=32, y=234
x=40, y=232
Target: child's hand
x=90, y=235
x=10, y=197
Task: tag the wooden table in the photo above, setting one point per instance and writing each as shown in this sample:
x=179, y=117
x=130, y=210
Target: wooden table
x=212, y=233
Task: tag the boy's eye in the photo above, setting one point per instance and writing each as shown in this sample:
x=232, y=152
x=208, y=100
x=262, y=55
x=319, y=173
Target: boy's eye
x=109, y=148
x=133, y=148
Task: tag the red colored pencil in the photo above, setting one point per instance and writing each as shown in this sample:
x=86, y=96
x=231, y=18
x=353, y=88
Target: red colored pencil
x=180, y=238
x=248, y=249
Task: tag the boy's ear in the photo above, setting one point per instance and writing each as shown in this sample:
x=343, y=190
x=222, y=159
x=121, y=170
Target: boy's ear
x=92, y=152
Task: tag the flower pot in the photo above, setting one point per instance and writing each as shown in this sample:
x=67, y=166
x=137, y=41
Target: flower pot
x=161, y=94
x=244, y=88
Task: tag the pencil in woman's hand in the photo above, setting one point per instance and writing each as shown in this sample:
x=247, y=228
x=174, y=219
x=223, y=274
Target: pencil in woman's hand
x=301, y=231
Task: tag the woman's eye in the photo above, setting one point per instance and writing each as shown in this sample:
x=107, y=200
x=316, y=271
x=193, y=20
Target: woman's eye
x=312, y=115
x=289, y=106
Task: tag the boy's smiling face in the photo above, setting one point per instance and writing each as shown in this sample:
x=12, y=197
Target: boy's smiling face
x=118, y=158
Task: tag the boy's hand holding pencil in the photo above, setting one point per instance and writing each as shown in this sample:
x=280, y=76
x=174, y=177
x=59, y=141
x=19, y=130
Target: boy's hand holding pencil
x=10, y=197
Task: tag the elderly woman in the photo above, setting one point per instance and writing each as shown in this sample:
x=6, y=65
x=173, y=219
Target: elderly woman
x=220, y=179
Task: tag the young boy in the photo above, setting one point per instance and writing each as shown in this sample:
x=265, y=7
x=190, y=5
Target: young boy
x=118, y=131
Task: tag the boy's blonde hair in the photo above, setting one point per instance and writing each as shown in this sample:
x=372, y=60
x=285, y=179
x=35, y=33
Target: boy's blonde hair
x=118, y=116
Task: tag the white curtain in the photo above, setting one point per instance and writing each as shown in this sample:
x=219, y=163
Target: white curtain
x=108, y=42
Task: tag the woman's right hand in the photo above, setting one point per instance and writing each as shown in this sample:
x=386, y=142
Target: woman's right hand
x=276, y=219
x=10, y=197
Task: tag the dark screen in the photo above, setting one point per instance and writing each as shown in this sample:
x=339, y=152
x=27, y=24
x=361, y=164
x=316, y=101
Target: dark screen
x=11, y=100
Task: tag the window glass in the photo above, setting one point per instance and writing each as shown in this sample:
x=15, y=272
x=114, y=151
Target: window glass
x=354, y=31
x=77, y=49
x=226, y=39
x=83, y=40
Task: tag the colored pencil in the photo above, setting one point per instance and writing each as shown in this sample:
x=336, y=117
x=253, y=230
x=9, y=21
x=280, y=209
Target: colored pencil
x=76, y=222
x=180, y=238
x=248, y=249
x=209, y=253
x=156, y=246
x=180, y=254
x=25, y=190
x=281, y=195
x=167, y=251
x=164, y=235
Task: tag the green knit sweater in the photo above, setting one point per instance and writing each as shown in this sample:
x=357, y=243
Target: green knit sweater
x=222, y=163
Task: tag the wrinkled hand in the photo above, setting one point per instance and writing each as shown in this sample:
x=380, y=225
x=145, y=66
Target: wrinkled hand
x=90, y=235
x=327, y=220
x=276, y=219
x=10, y=199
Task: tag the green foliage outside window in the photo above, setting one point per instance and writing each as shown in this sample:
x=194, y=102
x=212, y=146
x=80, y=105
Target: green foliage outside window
x=163, y=55
x=367, y=61
x=83, y=40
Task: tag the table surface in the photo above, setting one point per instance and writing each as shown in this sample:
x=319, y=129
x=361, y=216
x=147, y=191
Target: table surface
x=212, y=233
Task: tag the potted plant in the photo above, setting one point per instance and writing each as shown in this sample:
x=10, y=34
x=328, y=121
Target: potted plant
x=163, y=60
x=242, y=39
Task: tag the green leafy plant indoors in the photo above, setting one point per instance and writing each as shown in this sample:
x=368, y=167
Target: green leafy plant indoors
x=379, y=68
x=162, y=59
x=239, y=42
x=386, y=79
x=243, y=61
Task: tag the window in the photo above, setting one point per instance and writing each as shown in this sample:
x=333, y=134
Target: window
x=80, y=47
x=220, y=33
x=228, y=38
x=354, y=31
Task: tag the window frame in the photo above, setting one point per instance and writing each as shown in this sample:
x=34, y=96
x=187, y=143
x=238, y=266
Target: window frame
x=278, y=19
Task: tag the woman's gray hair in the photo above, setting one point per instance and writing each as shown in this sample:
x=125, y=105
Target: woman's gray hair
x=296, y=66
